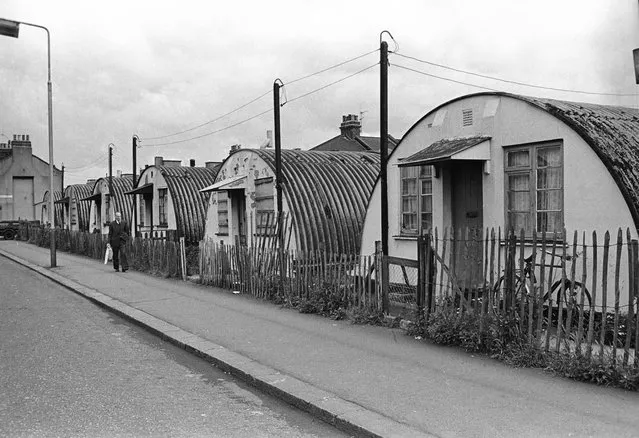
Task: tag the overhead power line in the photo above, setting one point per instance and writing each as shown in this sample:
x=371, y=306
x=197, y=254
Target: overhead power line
x=210, y=121
x=330, y=84
x=207, y=133
x=331, y=67
x=263, y=112
x=507, y=80
x=443, y=78
x=259, y=97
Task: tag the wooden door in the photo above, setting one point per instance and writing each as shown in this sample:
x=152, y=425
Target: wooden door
x=23, y=199
x=468, y=218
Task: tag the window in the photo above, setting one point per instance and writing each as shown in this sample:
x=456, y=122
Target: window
x=142, y=211
x=417, y=199
x=265, y=223
x=223, y=213
x=534, y=188
x=162, y=207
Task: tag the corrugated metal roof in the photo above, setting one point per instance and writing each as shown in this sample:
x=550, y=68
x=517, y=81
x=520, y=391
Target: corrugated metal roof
x=327, y=193
x=184, y=184
x=77, y=192
x=57, y=208
x=613, y=134
x=122, y=202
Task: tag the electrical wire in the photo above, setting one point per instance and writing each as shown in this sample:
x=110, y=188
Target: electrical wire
x=510, y=81
x=263, y=112
x=331, y=67
x=443, y=78
x=208, y=133
x=258, y=98
x=330, y=84
x=210, y=121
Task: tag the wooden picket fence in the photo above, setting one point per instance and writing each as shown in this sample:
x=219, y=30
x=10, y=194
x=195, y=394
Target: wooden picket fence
x=305, y=276
x=576, y=296
x=156, y=256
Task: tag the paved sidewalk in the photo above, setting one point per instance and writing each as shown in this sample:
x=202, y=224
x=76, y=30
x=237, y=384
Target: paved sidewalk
x=367, y=380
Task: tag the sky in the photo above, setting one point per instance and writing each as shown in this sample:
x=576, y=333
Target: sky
x=156, y=68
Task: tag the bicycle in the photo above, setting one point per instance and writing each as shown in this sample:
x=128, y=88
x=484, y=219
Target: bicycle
x=573, y=290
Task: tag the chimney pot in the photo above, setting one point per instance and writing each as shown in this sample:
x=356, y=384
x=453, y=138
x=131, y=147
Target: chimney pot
x=27, y=137
x=351, y=127
x=192, y=162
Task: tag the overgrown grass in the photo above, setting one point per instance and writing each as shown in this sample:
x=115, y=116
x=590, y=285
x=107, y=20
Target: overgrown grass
x=499, y=337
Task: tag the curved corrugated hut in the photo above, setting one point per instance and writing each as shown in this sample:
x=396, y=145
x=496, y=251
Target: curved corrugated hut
x=189, y=205
x=612, y=132
x=72, y=196
x=57, y=208
x=122, y=202
x=186, y=204
x=325, y=193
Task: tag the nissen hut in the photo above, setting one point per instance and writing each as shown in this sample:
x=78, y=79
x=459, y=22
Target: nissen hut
x=76, y=212
x=169, y=200
x=324, y=198
x=494, y=159
x=105, y=204
x=57, y=209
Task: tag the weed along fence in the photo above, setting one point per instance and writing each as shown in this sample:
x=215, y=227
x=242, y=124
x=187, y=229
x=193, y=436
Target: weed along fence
x=574, y=295
x=319, y=277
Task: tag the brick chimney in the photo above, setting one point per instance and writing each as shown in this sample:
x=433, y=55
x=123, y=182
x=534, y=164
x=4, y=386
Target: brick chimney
x=159, y=161
x=192, y=162
x=351, y=127
x=21, y=140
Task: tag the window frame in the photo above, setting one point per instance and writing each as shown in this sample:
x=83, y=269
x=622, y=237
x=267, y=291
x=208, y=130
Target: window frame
x=222, y=230
x=424, y=173
x=531, y=169
x=163, y=194
x=265, y=215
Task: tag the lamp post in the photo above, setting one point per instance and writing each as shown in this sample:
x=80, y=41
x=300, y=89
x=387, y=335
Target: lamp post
x=12, y=29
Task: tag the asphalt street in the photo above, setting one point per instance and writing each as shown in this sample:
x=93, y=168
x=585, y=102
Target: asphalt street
x=69, y=368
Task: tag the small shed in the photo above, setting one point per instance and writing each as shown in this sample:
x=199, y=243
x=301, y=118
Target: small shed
x=324, y=196
x=57, y=208
x=76, y=212
x=169, y=199
x=104, y=204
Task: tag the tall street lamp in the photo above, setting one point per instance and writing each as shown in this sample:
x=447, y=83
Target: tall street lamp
x=12, y=29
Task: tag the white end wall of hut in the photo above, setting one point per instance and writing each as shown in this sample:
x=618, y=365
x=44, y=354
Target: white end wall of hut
x=592, y=199
x=242, y=162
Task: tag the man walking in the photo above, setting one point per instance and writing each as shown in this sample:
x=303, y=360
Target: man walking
x=118, y=235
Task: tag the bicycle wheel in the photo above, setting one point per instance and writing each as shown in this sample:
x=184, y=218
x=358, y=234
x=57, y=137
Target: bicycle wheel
x=577, y=289
x=519, y=287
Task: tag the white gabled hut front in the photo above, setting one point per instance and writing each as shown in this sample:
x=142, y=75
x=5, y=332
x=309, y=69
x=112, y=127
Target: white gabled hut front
x=75, y=213
x=498, y=160
x=104, y=204
x=324, y=199
x=169, y=201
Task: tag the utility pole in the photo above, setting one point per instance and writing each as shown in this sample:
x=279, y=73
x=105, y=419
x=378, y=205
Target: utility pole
x=278, y=179
x=110, y=180
x=135, y=197
x=383, y=152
